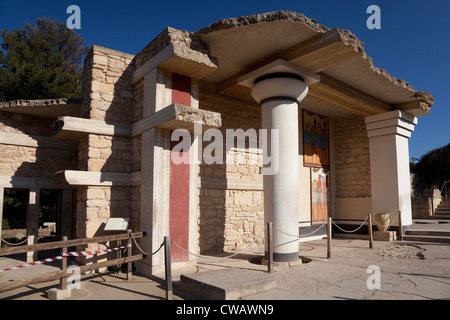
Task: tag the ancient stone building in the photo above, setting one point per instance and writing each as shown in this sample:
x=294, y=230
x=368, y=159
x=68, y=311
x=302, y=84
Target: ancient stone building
x=342, y=129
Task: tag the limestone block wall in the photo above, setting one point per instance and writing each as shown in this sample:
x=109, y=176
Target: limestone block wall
x=109, y=96
x=353, y=180
x=107, y=91
x=231, y=197
x=30, y=161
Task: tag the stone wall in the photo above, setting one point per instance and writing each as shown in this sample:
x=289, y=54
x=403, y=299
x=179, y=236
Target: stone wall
x=352, y=158
x=107, y=95
x=424, y=203
x=107, y=90
x=30, y=161
x=231, y=200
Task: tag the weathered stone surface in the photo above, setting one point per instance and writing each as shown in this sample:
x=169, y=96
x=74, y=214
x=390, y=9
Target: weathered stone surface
x=186, y=46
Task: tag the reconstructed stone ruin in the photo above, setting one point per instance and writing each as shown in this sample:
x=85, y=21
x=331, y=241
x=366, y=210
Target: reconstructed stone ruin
x=110, y=154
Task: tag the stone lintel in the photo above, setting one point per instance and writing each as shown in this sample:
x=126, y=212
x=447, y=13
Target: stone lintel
x=74, y=128
x=92, y=178
x=178, y=52
x=178, y=116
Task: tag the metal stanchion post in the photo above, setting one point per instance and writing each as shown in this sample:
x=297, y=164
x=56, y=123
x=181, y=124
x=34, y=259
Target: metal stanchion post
x=370, y=231
x=329, y=240
x=270, y=246
x=129, y=254
x=168, y=267
x=400, y=226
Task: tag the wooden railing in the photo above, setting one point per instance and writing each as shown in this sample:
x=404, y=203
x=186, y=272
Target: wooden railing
x=63, y=245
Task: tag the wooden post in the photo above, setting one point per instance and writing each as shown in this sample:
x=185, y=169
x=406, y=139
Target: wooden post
x=129, y=254
x=168, y=267
x=329, y=235
x=269, y=247
x=400, y=226
x=63, y=280
x=1, y=212
x=370, y=232
x=33, y=222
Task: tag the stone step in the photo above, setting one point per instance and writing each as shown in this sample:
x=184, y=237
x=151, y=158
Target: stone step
x=414, y=232
x=442, y=216
x=230, y=284
x=426, y=238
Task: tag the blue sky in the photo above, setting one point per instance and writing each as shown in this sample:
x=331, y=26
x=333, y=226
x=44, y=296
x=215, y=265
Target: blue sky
x=413, y=43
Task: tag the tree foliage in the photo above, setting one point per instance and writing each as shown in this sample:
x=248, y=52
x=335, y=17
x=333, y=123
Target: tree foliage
x=41, y=61
x=433, y=167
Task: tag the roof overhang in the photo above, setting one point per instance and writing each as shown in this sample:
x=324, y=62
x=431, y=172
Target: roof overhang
x=47, y=108
x=350, y=83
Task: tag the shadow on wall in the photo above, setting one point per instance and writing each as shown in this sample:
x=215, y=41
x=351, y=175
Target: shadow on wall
x=30, y=162
x=107, y=96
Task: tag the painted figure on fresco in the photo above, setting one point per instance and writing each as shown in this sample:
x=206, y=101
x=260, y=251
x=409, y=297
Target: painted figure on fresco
x=315, y=139
x=319, y=194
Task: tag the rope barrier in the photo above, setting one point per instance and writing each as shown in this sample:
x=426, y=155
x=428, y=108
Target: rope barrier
x=142, y=251
x=14, y=244
x=390, y=224
x=227, y=257
x=254, y=240
x=350, y=231
x=300, y=236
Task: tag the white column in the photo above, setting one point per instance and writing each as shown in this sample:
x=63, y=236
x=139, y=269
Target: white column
x=279, y=87
x=279, y=95
x=389, y=163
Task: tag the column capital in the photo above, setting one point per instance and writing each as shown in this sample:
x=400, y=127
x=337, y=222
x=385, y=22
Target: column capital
x=278, y=79
x=394, y=122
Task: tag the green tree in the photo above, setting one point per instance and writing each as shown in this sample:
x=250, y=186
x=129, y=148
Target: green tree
x=42, y=61
x=434, y=167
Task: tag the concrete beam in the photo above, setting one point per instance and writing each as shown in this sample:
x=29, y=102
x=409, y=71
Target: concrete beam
x=74, y=128
x=179, y=54
x=92, y=178
x=177, y=116
x=20, y=139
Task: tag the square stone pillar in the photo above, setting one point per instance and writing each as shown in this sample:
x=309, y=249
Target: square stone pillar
x=169, y=191
x=389, y=163
x=155, y=171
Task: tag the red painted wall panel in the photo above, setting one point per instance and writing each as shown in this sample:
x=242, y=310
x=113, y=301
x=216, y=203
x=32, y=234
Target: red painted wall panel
x=179, y=181
x=181, y=89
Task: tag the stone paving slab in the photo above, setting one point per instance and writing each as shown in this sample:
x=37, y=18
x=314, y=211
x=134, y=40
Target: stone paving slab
x=227, y=284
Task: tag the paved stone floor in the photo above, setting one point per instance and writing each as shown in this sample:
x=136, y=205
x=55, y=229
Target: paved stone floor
x=407, y=270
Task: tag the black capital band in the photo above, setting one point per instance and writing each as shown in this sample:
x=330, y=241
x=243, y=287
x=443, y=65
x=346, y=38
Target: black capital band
x=278, y=75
